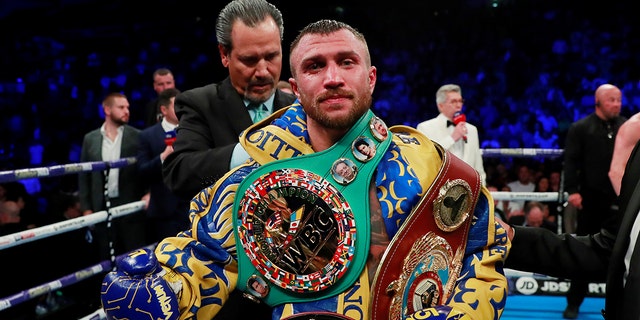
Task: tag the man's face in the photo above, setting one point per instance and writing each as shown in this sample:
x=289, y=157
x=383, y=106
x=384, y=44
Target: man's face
x=333, y=79
x=118, y=112
x=169, y=112
x=452, y=105
x=380, y=128
x=535, y=217
x=255, y=61
x=258, y=287
x=344, y=171
x=162, y=82
x=364, y=149
x=609, y=102
x=524, y=175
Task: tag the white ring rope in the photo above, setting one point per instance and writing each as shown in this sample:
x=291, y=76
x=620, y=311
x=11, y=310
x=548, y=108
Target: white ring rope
x=29, y=235
x=531, y=196
x=59, y=170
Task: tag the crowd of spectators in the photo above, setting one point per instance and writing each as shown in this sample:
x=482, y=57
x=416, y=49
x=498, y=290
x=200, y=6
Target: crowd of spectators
x=529, y=68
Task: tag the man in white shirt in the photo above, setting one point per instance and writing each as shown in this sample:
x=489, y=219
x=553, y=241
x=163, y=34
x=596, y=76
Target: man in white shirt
x=115, y=139
x=451, y=130
x=523, y=183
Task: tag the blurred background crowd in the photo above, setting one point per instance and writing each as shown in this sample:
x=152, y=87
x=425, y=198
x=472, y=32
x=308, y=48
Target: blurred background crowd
x=528, y=69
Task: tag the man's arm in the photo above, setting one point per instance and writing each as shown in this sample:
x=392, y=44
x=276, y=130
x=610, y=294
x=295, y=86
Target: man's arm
x=204, y=144
x=572, y=159
x=560, y=255
x=188, y=276
x=149, y=164
x=626, y=138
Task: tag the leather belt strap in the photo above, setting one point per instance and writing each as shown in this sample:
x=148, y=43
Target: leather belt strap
x=422, y=263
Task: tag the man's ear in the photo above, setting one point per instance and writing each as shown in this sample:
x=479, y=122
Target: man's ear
x=224, y=55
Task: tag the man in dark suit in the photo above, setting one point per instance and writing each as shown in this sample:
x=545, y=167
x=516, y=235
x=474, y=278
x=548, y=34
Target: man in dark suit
x=587, y=157
x=115, y=139
x=167, y=214
x=212, y=117
x=249, y=34
x=595, y=257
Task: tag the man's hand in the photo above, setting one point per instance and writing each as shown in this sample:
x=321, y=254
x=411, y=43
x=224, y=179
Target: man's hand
x=167, y=151
x=575, y=199
x=137, y=290
x=510, y=232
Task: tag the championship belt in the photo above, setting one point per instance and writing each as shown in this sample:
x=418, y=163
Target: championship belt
x=420, y=266
x=302, y=227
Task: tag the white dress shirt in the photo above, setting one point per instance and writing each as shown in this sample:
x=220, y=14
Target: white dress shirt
x=111, y=152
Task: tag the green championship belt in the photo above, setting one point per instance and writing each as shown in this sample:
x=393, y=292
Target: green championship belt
x=303, y=223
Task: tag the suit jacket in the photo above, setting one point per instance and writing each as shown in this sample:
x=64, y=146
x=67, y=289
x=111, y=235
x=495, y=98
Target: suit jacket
x=436, y=129
x=211, y=120
x=595, y=257
x=91, y=184
x=162, y=203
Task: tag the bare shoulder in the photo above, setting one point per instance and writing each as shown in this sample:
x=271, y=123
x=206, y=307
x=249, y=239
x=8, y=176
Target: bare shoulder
x=630, y=129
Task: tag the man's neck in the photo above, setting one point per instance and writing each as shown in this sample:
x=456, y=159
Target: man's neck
x=111, y=129
x=323, y=138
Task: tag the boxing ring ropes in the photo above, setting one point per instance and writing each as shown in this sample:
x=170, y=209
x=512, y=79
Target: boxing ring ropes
x=105, y=266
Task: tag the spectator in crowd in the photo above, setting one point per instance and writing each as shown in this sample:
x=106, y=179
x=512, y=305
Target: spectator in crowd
x=29, y=216
x=74, y=252
x=587, y=158
x=23, y=255
x=162, y=80
x=10, y=218
x=497, y=210
x=99, y=190
x=535, y=215
x=523, y=182
x=508, y=208
x=557, y=207
x=167, y=214
x=249, y=34
x=451, y=130
x=543, y=184
x=334, y=80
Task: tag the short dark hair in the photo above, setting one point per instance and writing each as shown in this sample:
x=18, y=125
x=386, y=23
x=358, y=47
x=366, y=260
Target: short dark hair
x=164, y=98
x=361, y=142
x=161, y=72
